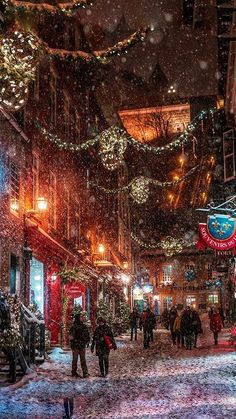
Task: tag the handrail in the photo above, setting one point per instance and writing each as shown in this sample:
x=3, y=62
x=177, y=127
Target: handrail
x=30, y=317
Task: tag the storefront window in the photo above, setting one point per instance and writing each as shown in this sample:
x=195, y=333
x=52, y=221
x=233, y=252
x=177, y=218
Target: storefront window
x=37, y=284
x=213, y=298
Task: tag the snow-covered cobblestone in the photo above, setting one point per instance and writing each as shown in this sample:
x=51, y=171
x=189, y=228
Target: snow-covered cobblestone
x=161, y=382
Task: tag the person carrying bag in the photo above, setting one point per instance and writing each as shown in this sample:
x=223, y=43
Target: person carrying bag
x=103, y=341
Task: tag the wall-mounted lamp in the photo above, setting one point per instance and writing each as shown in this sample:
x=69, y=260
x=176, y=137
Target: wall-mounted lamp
x=14, y=205
x=125, y=265
x=42, y=204
x=101, y=248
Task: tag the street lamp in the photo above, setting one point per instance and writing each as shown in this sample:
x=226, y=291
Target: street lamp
x=42, y=204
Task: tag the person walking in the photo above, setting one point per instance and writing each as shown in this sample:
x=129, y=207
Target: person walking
x=222, y=315
x=148, y=322
x=177, y=331
x=187, y=327
x=79, y=339
x=197, y=326
x=215, y=324
x=133, y=319
x=172, y=316
x=103, y=341
x=165, y=318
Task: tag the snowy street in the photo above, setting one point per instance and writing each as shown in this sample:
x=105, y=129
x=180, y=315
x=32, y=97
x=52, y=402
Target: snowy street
x=160, y=382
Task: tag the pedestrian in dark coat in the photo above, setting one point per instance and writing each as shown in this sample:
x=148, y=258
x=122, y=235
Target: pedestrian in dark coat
x=79, y=339
x=148, y=322
x=165, y=318
x=101, y=338
x=133, y=320
x=172, y=316
x=187, y=327
x=222, y=315
x=197, y=326
x=215, y=324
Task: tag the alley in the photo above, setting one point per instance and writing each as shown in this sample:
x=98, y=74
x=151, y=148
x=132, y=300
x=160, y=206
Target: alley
x=161, y=382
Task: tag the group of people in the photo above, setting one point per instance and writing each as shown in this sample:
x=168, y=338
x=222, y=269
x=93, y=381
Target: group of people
x=103, y=341
x=184, y=327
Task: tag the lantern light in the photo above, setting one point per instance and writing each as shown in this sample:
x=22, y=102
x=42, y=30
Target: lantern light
x=101, y=248
x=42, y=204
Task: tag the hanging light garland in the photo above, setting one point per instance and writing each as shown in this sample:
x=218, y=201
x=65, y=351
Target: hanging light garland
x=113, y=144
x=102, y=55
x=61, y=7
x=139, y=187
x=120, y=132
x=19, y=55
x=20, y=52
x=169, y=245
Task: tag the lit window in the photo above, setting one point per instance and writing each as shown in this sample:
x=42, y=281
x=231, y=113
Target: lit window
x=213, y=298
x=167, y=275
x=14, y=187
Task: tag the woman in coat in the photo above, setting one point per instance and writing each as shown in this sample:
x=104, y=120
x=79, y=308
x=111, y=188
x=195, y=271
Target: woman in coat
x=215, y=324
x=103, y=341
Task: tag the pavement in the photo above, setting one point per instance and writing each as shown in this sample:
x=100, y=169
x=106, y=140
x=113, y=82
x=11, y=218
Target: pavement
x=160, y=382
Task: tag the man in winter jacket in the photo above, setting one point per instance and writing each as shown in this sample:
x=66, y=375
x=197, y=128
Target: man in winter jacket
x=102, y=335
x=197, y=326
x=133, y=319
x=172, y=316
x=79, y=339
x=187, y=327
x=148, y=322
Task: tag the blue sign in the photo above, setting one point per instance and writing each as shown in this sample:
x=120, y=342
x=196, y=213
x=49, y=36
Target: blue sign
x=221, y=226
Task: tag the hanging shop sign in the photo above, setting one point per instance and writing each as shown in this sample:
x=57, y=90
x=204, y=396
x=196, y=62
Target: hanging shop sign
x=219, y=233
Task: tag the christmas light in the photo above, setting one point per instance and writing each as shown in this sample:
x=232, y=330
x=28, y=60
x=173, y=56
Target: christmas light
x=61, y=7
x=171, y=245
x=139, y=189
x=113, y=145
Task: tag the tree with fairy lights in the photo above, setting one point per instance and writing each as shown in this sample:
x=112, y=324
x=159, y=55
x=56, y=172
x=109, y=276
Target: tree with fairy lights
x=104, y=311
x=121, y=321
x=21, y=48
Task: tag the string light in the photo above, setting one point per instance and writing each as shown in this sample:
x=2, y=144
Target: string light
x=120, y=132
x=19, y=55
x=113, y=144
x=171, y=245
x=167, y=244
x=139, y=189
x=117, y=49
x=71, y=6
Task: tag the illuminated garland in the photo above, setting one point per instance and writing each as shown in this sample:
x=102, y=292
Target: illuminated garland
x=169, y=244
x=20, y=53
x=139, y=186
x=117, y=49
x=119, y=132
x=71, y=6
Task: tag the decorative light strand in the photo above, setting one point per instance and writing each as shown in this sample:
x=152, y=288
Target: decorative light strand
x=118, y=131
x=139, y=186
x=165, y=244
x=117, y=49
x=71, y=6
